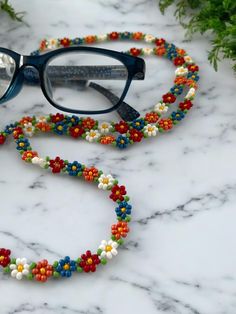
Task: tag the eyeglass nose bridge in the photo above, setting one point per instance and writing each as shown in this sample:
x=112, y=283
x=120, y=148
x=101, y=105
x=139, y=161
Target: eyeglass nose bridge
x=27, y=67
x=30, y=64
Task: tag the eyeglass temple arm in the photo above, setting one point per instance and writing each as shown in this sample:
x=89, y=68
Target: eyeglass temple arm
x=126, y=112
x=81, y=74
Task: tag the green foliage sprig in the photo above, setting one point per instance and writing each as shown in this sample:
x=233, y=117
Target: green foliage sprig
x=8, y=8
x=216, y=16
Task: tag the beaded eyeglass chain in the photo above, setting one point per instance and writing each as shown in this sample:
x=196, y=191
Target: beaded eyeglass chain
x=121, y=135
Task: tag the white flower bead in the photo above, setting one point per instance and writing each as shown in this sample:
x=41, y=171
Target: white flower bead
x=109, y=249
x=105, y=181
x=191, y=93
x=150, y=130
x=161, y=108
x=104, y=127
x=28, y=129
x=102, y=37
x=180, y=71
x=39, y=161
x=149, y=38
x=188, y=59
x=20, y=268
x=147, y=51
x=41, y=119
x=52, y=43
x=92, y=135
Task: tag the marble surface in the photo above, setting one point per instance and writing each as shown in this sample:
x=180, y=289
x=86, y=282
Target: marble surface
x=180, y=256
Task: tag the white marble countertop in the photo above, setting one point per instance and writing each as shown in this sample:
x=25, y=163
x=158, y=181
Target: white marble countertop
x=180, y=256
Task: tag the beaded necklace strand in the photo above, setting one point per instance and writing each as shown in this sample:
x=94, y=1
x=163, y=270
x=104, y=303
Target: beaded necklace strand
x=87, y=262
x=121, y=135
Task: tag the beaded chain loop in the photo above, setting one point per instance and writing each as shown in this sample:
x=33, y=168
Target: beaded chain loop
x=119, y=134
x=87, y=262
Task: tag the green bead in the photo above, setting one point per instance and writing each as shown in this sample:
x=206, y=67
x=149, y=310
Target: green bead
x=55, y=264
x=120, y=241
x=103, y=261
x=56, y=274
x=99, y=251
x=32, y=265
x=126, y=198
x=7, y=269
x=128, y=219
x=30, y=276
x=79, y=269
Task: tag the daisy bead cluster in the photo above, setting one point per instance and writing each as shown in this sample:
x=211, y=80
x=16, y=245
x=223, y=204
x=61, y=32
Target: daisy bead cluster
x=154, y=122
x=87, y=262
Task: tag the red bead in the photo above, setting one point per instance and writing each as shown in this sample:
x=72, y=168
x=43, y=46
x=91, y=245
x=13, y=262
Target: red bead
x=160, y=42
x=117, y=193
x=65, y=42
x=186, y=105
x=178, y=61
x=169, y=98
x=151, y=117
x=193, y=68
x=76, y=131
x=114, y=35
x=6, y=257
x=56, y=164
x=17, y=132
x=88, y=123
x=135, y=135
x=135, y=52
x=121, y=127
x=57, y=117
x=2, y=139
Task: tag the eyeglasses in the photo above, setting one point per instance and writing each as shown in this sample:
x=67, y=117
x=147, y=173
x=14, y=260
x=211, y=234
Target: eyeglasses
x=82, y=80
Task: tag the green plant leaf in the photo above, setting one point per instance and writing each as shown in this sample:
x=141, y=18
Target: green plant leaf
x=217, y=17
x=8, y=8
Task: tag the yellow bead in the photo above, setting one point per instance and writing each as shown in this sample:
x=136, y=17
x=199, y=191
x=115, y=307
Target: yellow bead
x=108, y=248
x=1, y=258
x=66, y=266
x=105, y=181
x=20, y=268
x=90, y=261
